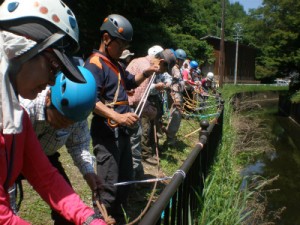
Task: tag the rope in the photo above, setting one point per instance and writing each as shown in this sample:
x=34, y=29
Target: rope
x=141, y=105
x=102, y=209
x=108, y=219
x=207, y=107
x=202, y=116
x=181, y=172
x=154, y=187
x=195, y=131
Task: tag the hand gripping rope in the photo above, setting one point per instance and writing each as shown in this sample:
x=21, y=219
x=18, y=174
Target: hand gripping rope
x=141, y=105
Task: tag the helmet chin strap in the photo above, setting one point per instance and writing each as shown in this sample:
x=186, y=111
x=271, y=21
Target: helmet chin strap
x=106, y=48
x=16, y=63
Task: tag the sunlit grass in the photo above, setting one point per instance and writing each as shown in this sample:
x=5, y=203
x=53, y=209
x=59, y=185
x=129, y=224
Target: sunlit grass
x=223, y=200
x=35, y=210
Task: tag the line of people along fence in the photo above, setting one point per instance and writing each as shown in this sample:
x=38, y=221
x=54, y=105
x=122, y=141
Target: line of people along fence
x=179, y=202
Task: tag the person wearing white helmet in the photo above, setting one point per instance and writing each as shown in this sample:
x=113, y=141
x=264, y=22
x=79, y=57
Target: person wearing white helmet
x=35, y=38
x=207, y=82
x=59, y=118
x=143, y=142
x=137, y=141
x=154, y=50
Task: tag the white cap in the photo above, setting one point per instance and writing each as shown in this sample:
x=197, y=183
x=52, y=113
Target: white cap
x=154, y=50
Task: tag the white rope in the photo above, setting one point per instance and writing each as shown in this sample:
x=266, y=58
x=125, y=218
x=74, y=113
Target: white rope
x=180, y=172
x=141, y=105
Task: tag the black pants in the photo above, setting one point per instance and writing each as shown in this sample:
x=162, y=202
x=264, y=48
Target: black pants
x=114, y=164
x=54, y=160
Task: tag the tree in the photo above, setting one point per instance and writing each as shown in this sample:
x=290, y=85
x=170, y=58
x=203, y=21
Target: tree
x=171, y=24
x=277, y=37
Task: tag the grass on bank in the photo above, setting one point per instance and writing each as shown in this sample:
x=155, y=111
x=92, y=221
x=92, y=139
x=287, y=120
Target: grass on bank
x=224, y=199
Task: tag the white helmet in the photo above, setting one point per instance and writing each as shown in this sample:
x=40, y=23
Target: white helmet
x=154, y=50
x=54, y=11
x=48, y=22
x=210, y=76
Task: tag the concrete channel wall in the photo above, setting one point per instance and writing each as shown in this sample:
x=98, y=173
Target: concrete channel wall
x=260, y=98
x=287, y=108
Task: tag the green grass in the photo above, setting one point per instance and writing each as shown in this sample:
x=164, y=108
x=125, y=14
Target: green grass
x=35, y=210
x=173, y=157
x=223, y=200
x=230, y=90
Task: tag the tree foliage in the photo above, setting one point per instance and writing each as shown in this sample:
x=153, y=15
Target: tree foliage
x=172, y=24
x=272, y=29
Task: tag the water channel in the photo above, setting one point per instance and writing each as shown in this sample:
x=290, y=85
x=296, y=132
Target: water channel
x=285, y=162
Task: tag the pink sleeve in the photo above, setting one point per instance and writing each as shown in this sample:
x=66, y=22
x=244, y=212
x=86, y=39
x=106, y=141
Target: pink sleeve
x=191, y=82
x=6, y=215
x=134, y=68
x=51, y=186
x=185, y=75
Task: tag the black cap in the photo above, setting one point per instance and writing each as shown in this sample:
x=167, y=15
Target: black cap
x=47, y=37
x=70, y=70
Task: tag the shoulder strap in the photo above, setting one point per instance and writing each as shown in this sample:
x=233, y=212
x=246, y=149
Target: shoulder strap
x=106, y=61
x=116, y=70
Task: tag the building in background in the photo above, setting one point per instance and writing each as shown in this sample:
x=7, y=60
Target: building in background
x=246, y=61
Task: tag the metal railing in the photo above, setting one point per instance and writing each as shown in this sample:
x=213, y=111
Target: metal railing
x=179, y=202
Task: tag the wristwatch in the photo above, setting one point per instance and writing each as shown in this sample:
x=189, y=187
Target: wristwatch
x=91, y=218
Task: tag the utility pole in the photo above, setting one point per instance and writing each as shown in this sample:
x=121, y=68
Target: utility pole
x=222, y=48
x=238, y=29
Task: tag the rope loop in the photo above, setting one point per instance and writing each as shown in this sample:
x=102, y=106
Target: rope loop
x=181, y=172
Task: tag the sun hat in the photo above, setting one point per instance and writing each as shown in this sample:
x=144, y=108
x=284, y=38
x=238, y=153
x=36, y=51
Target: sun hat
x=126, y=53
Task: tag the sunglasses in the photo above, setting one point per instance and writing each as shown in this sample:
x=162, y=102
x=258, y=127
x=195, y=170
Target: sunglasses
x=123, y=44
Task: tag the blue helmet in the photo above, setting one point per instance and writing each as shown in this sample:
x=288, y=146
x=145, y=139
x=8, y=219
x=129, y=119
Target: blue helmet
x=194, y=64
x=180, y=54
x=74, y=100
